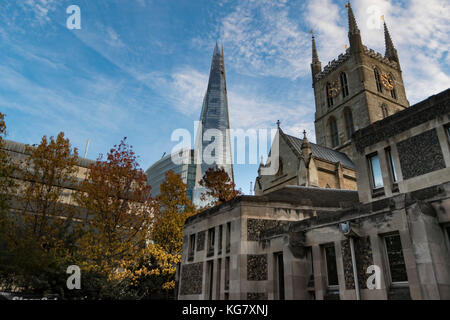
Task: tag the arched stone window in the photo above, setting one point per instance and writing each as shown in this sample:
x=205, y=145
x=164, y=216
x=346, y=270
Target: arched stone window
x=393, y=91
x=349, y=127
x=329, y=97
x=344, y=84
x=378, y=80
x=385, y=110
x=334, y=135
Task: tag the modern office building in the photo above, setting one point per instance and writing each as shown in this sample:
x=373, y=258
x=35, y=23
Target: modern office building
x=181, y=162
x=214, y=120
x=213, y=141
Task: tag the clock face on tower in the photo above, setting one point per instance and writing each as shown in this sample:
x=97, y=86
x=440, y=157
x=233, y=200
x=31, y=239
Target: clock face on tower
x=334, y=88
x=387, y=81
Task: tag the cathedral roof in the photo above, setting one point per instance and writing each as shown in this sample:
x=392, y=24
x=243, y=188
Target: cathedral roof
x=321, y=152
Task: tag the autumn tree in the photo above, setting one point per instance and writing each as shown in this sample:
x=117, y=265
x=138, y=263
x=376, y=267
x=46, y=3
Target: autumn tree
x=40, y=234
x=6, y=183
x=119, y=210
x=48, y=173
x=219, y=186
x=6, y=169
x=156, y=274
x=174, y=207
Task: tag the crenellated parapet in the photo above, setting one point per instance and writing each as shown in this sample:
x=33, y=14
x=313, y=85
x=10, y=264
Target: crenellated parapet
x=334, y=64
x=378, y=56
x=343, y=57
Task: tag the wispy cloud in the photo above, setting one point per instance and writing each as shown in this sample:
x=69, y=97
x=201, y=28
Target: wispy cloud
x=262, y=39
x=39, y=8
x=249, y=109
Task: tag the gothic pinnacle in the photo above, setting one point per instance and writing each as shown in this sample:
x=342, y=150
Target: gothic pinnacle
x=391, y=52
x=315, y=56
x=352, y=26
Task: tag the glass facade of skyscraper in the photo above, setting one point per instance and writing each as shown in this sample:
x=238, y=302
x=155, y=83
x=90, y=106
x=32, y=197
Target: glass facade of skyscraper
x=156, y=174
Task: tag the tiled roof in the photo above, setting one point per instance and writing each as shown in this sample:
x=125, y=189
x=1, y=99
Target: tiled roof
x=322, y=152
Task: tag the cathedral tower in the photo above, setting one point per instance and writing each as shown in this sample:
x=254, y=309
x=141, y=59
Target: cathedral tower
x=213, y=141
x=358, y=88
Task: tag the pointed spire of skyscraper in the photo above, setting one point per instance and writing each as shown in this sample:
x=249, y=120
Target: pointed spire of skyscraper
x=216, y=49
x=391, y=52
x=214, y=150
x=354, y=35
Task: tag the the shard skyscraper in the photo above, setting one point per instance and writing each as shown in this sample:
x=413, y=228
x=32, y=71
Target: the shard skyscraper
x=213, y=140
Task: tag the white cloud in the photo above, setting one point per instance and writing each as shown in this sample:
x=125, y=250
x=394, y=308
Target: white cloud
x=184, y=88
x=330, y=28
x=262, y=40
x=112, y=38
x=248, y=108
x=40, y=8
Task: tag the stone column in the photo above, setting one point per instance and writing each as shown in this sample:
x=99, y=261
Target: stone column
x=319, y=272
x=430, y=251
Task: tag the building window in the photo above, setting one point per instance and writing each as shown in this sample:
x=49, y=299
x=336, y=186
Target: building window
x=218, y=278
x=447, y=235
x=329, y=97
x=279, y=267
x=310, y=286
x=211, y=236
x=227, y=273
x=191, y=247
x=349, y=123
x=330, y=260
x=344, y=84
x=375, y=170
x=220, y=238
x=210, y=266
x=228, y=237
x=447, y=130
x=393, y=92
x=390, y=159
x=385, y=110
x=334, y=133
x=378, y=80
x=397, y=267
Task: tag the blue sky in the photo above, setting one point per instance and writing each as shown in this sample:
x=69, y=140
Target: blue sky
x=139, y=68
